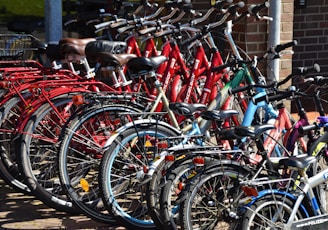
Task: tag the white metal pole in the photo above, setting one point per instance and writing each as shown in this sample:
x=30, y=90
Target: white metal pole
x=274, y=37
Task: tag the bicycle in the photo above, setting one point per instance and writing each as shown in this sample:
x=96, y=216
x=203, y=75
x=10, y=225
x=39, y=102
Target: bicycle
x=287, y=207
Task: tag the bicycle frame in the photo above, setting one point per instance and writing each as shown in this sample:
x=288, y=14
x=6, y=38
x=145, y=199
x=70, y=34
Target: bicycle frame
x=306, y=192
x=48, y=90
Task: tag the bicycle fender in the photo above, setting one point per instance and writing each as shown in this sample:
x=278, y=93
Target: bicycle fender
x=268, y=192
x=138, y=123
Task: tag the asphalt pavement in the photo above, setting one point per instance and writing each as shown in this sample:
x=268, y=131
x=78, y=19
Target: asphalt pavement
x=20, y=211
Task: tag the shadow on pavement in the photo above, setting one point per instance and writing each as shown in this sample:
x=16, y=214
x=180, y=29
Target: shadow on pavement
x=19, y=211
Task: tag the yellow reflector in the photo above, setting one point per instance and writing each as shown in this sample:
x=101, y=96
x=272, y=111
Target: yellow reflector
x=148, y=143
x=84, y=184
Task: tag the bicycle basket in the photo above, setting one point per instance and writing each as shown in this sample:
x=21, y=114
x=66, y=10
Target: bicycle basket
x=16, y=46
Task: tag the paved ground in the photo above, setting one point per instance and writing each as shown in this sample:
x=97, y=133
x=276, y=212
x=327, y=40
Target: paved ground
x=18, y=211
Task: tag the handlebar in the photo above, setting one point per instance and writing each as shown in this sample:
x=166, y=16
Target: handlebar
x=217, y=7
x=307, y=128
x=281, y=47
x=232, y=9
x=275, y=49
x=254, y=10
x=279, y=95
x=307, y=70
x=219, y=4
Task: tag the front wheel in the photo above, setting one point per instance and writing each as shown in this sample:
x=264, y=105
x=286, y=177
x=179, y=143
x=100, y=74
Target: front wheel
x=209, y=200
x=80, y=154
x=123, y=168
x=270, y=213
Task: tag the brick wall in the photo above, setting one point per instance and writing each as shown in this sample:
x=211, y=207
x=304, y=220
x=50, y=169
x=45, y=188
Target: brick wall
x=311, y=32
x=286, y=35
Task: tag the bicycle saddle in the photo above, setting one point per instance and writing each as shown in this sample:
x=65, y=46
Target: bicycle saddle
x=252, y=131
x=115, y=60
x=93, y=48
x=298, y=162
x=142, y=64
x=52, y=51
x=37, y=44
x=186, y=109
x=218, y=115
x=25, y=26
x=69, y=46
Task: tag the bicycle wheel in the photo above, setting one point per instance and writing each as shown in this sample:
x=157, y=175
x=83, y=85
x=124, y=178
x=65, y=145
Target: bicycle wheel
x=80, y=153
x=177, y=175
x=270, y=213
x=37, y=153
x=122, y=170
x=209, y=200
x=10, y=114
x=153, y=191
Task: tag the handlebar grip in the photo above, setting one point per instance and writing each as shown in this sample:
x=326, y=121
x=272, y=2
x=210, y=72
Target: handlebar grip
x=281, y=47
x=219, y=4
x=254, y=9
x=307, y=70
x=276, y=97
x=239, y=89
x=221, y=67
x=233, y=8
x=190, y=40
x=304, y=129
x=259, y=99
x=320, y=80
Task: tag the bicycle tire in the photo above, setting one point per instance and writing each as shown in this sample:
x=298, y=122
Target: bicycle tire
x=157, y=210
x=152, y=199
x=38, y=151
x=205, y=195
x=10, y=112
x=125, y=166
x=252, y=216
x=71, y=157
x=176, y=176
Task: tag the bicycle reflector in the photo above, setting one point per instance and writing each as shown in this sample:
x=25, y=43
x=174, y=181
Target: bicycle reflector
x=162, y=145
x=78, y=99
x=169, y=157
x=199, y=161
x=249, y=191
x=4, y=84
x=84, y=185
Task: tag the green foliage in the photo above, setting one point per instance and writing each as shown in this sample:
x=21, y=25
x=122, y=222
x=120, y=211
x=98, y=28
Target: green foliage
x=22, y=7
